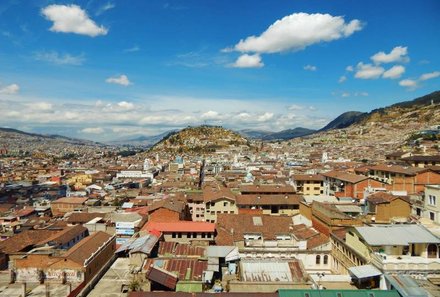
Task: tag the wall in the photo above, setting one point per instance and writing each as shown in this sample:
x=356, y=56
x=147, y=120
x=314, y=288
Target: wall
x=220, y=206
x=352, y=240
x=396, y=208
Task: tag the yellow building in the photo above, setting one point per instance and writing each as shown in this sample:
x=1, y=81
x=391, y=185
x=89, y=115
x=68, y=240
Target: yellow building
x=308, y=184
x=218, y=200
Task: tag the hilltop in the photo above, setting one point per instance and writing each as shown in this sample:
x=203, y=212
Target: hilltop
x=201, y=139
x=16, y=141
x=383, y=130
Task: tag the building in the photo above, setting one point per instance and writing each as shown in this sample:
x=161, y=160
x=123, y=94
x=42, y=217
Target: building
x=79, y=264
x=399, y=178
x=342, y=184
x=422, y=161
x=384, y=207
x=308, y=184
x=64, y=205
x=218, y=200
x=183, y=231
x=432, y=203
x=269, y=204
x=167, y=210
x=397, y=249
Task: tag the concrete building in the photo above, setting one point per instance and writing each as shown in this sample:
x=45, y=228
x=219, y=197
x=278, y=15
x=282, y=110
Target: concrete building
x=432, y=203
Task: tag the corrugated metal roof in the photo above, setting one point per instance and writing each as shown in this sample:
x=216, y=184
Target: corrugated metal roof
x=364, y=271
x=142, y=244
x=396, y=235
x=271, y=271
x=349, y=208
x=406, y=286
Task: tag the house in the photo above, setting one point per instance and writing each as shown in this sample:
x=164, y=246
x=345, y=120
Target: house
x=384, y=207
x=269, y=204
x=432, y=203
x=66, y=238
x=422, y=161
x=399, y=178
x=218, y=200
x=183, y=231
x=275, y=237
x=78, y=265
x=342, y=184
x=267, y=189
x=64, y=205
x=167, y=210
x=394, y=249
x=308, y=184
x=326, y=217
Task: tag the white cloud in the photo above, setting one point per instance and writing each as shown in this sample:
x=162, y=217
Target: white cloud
x=126, y=105
x=431, y=75
x=345, y=94
x=397, y=54
x=297, y=31
x=409, y=83
x=105, y=8
x=342, y=79
x=363, y=94
x=120, y=80
x=40, y=106
x=248, y=61
x=310, y=68
x=97, y=130
x=132, y=49
x=211, y=115
x=10, y=89
x=267, y=116
x=394, y=72
x=72, y=19
x=295, y=107
x=59, y=59
x=368, y=71
x=349, y=68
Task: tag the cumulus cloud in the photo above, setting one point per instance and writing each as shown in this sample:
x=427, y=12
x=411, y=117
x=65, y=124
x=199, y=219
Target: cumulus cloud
x=408, y=83
x=248, y=61
x=297, y=31
x=211, y=115
x=349, y=68
x=310, y=68
x=394, y=72
x=412, y=84
x=430, y=75
x=97, y=130
x=72, y=19
x=119, y=80
x=40, y=106
x=10, y=89
x=368, y=71
x=125, y=105
x=267, y=116
x=59, y=59
x=397, y=54
x=342, y=79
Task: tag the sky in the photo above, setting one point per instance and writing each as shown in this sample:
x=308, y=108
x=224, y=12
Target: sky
x=117, y=69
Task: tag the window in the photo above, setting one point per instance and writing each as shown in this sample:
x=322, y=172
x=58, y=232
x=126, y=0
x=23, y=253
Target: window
x=173, y=235
x=325, y=259
x=209, y=235
x=318, y=259
x=432, y=200
x=179, y=235
x=194, y=235
x=432, y=216
x=203, y=235
x=188, y=235
x=225, y=204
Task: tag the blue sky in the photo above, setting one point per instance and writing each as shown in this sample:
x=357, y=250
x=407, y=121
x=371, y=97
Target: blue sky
x=112, y=69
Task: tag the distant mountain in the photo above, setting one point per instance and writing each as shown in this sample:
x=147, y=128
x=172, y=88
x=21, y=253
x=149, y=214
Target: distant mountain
x=356, y=117
x=254, y=134
x=344, y=120
x=142, y=140
x=46, y=136
x=289, y=134
x=281, y=135
x=201, y=139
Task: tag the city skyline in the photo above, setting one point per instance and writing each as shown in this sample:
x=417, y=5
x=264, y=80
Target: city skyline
x=101, y=70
